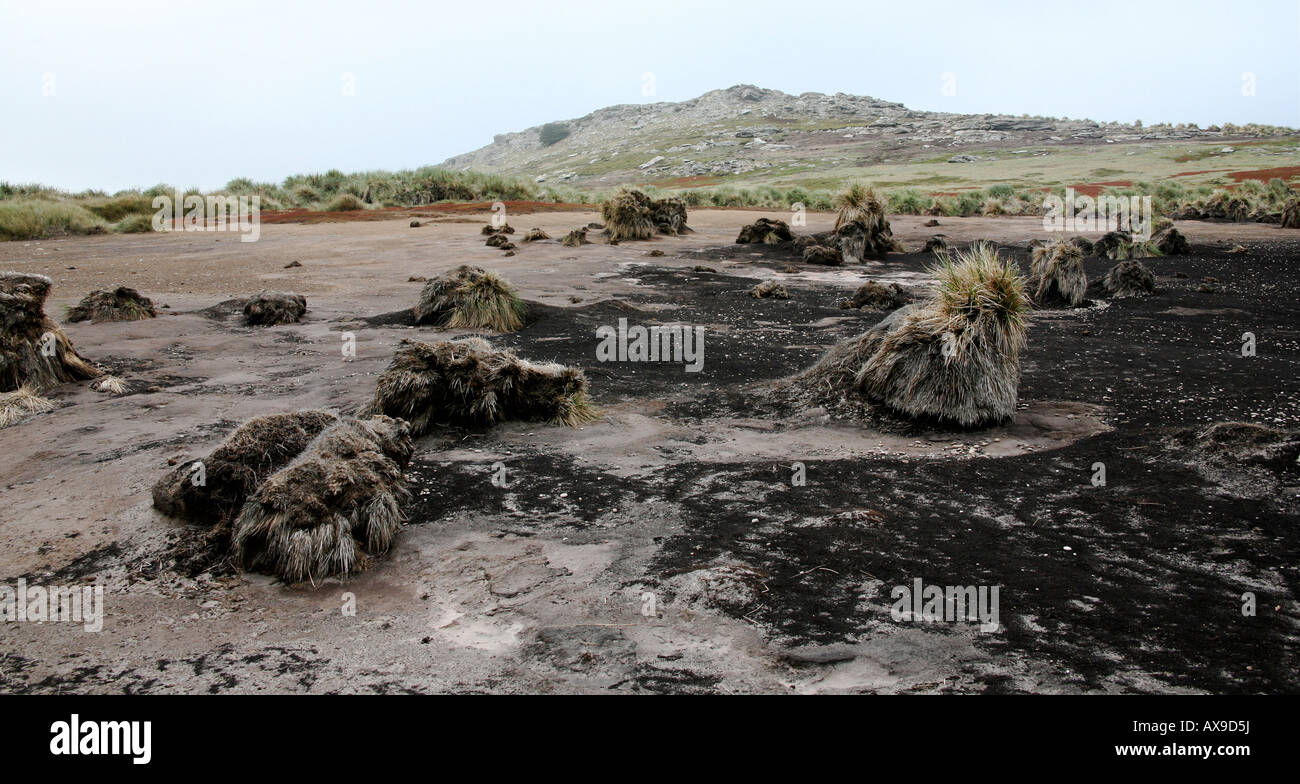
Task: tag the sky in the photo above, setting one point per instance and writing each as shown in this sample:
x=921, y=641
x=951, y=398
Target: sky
x=117, y=94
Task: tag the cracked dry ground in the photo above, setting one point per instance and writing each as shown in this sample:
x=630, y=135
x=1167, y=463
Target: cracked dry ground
x=683, y=491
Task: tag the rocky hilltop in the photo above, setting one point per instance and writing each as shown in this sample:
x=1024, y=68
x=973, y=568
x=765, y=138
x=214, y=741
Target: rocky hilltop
x=764, y=134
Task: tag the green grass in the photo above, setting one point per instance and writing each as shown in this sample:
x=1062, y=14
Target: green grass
x=134, y=224
x=118, y=207
x=1007, y=184
x=33, y=219
x=345, y=202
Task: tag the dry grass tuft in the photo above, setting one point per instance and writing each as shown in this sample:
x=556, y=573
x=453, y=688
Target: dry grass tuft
x=1057, y=274
x=631, y=215
x=470, y=298
x=954, y=358
x=334, y=505
x=34, y=352
x=874, y=296
x=111, y=385
x=21, y=403
x=765, y=231
x=1171, y=242
x=769, y=289
x=269, y=308
x=861, y=229
x=576, y=237
x=1111, y=243
x=627, y=216
x=859, y=204
x=469, y=382
x=1291, y=215
x=233, y=470
x=120, y=304
x=1129, y=279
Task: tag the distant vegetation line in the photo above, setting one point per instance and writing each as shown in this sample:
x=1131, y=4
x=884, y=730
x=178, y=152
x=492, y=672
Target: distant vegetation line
x=37, y=211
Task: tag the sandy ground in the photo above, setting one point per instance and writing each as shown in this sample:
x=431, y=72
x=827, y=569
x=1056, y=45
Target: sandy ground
x=545, y=585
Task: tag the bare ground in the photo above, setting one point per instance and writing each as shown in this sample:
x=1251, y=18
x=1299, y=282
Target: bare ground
x=682, y=490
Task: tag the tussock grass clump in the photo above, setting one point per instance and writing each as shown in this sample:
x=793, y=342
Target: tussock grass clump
x=1129, y=279
x=34, y=352
x=469, y=382
x=1171, y=242
x=336, y=504
x=120, y=304
x=305, y=194
x=953, y=358
x=859, y=204
x=498, y=241
x=269, y=308
x=627, y=216
x=1133, y=250
x=909, y=201
x=937, y=244
x=769, y=289
x=21, y=403
x=822, y=254
x=860, y=226
x=1084, y=244
x=1111, y=242
x=36, y=220
x=214, y=488
x=470, y=298
x=875, y=296
x=1227, y=205
x=766, y=231
x=1291, y=215
x=994, y=206
x=669, y=216
x=576, y=237
x=534, y=234
x=344, y=202
x=134, y=224
x=123, y=205
x=632, y=215
x=1057, y=275
x=504, y=228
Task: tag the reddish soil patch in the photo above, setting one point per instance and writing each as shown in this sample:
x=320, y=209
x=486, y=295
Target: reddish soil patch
x=429, y=210
x=1264, y=175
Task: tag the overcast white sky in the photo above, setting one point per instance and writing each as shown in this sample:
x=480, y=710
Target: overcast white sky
x=196, y=93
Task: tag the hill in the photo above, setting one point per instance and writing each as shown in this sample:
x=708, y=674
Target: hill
x=747, y=135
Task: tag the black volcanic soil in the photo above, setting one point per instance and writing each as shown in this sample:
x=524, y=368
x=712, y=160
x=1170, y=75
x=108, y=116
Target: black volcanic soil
x=1134, y=586
x=1146, y=573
